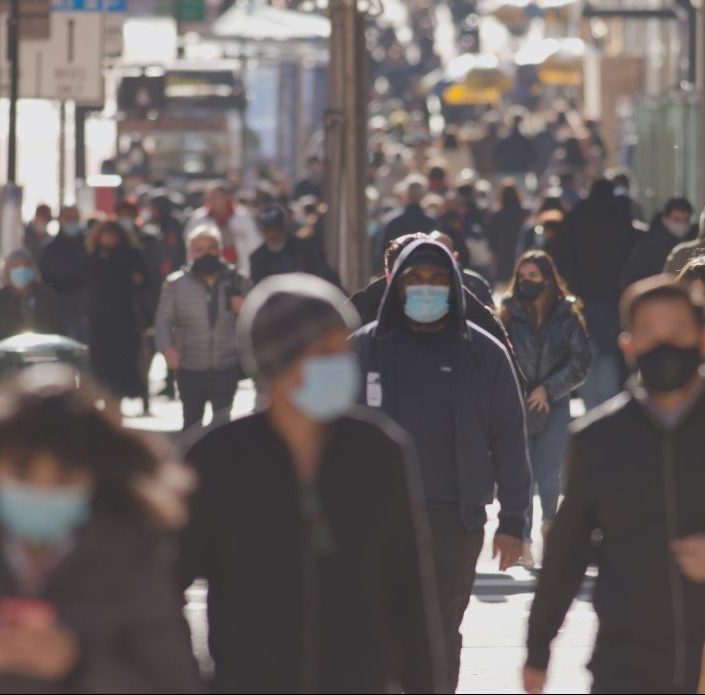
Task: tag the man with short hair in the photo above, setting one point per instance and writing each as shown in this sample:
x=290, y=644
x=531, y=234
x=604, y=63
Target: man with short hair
x=635, y=482
x=236, y=226
x=684, y=252
x=452, y=387
x=413, y=219
x=195, y=329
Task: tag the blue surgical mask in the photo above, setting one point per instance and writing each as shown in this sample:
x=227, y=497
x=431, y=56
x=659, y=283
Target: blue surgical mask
x=330, y=387
x=427, y=303
x=21, y=277
x=43, y=516
x=72, y=229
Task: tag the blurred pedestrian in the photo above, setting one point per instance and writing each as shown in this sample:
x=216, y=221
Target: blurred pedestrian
x=64, y=267
x=36, y=235
x=694, y=273
x=26, y=304
x=635, y=481
x=195, y=330
x=413, y=219
x=547, y=329
x=283, y=252
x=504, y=227
x=599, y=237
x=234, y=222
x=649, y=256
x=514, y=154
x=312, y=184
x=684, y=252
x=116, y=276
x=468, y=427
x=87, y=599
x=309, y=590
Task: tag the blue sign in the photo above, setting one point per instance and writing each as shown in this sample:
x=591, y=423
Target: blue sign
x=89, y=5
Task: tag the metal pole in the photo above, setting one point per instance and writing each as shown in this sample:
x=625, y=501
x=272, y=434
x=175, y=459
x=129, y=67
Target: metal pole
x=13, y=50
x=701, y=89
x=80, y=115
x=62, y=153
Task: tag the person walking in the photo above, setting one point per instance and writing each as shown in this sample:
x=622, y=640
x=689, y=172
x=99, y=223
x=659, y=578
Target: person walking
x=503, y=230
x=116, y=276
x=597, y=241
x=635, y=481
x=310, y=590
x=547, y=329
x=234, y=222
x=649, y=256
x=468, y=427
x=36, y=235
x=195, y=330
x=26, y=304
x=64, y=267
x=413, y=218
x=283, y=252
x=88, y=601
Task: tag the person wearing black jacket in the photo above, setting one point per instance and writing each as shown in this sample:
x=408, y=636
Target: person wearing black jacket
x=669, y=229
x=635, y=482
x=546, y=327
x=597, y=241
x=452, y=387
x=413, y=219
x=26, y=304
x=284, y=253
x=308, y=534
x=64, y=267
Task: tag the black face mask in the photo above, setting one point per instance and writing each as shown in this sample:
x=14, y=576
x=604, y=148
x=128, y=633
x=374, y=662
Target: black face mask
x=530, y=290
x=668, y=368
x=207, y=265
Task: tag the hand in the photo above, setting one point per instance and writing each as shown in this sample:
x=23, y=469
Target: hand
x=173, y=358
x=534, y=680
x=690, y=554
x=236, y=302
x=538, y=400
x=48, y=653
x=509, y=550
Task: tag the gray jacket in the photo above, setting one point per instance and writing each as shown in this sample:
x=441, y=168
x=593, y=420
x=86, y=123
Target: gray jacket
x=197, y=320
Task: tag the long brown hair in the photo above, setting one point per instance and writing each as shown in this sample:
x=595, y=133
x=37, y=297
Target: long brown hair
x=557, y=288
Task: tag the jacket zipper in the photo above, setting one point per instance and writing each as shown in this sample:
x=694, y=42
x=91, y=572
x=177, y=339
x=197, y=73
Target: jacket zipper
x=679, y=637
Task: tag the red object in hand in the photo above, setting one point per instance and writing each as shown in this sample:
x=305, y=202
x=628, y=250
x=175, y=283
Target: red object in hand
x=29, y=613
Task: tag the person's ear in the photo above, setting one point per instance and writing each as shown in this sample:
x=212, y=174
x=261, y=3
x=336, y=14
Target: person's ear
x=626, y=344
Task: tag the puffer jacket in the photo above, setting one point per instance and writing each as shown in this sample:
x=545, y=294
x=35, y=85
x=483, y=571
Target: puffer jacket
x=197, y=320
x=558, y=355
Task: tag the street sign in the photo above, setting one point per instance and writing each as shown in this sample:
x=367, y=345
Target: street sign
x=89, y=5
x=34, y=18
x=183, y=10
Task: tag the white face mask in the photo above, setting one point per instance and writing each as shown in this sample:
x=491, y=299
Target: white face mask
x=678, y=229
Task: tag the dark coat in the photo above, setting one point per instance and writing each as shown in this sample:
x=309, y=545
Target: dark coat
x=36, y=312
x=558, y=355
x=599, y=237
x=490, y=439
x=114, y=320
x=649, y=256
x=64, y=264
x=297, y=256
x=503, y=233
x=639, y=486
x=515, y=154
x=312, y=589
x=114, y=590
x=411, y=221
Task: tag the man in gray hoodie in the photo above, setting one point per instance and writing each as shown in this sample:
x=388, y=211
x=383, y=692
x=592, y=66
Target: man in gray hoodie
x=195, y=328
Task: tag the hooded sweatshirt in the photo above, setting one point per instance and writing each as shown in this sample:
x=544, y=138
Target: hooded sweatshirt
x=456, y=393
